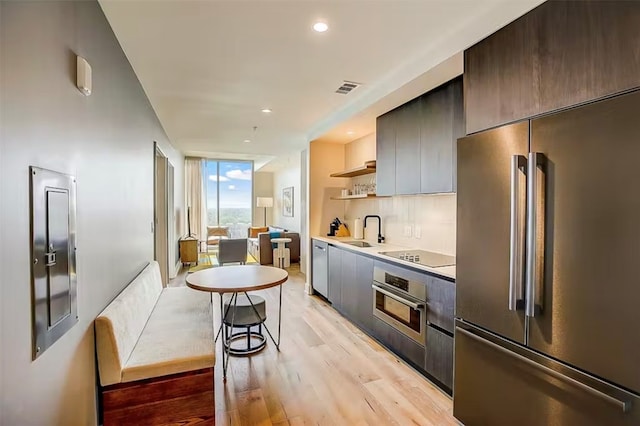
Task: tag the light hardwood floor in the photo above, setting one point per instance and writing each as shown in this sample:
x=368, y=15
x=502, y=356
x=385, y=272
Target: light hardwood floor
x=327, y=372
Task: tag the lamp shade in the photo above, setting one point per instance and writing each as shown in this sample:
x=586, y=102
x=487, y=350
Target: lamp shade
x=264, y=202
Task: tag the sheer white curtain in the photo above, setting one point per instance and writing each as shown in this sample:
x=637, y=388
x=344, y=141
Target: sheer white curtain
x=194, y=190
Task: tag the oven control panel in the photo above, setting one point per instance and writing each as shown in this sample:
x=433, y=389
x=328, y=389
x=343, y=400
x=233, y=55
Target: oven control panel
x=400, y=280
x=397, y=282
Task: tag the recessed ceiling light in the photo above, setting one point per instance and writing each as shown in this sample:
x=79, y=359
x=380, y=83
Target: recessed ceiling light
x=247, y=140
x=320, y=27
x=267, y=110
x=351, y=132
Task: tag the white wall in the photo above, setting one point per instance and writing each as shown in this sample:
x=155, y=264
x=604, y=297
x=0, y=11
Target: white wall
x=262, y=187
x=106, y=141
x=359, y=151
x=324, y=159
x=288, y=175
x=434, y=215
x=304, y=216
x=179, y=216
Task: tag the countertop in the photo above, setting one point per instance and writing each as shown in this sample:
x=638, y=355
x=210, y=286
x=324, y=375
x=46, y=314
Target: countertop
x=444, y=271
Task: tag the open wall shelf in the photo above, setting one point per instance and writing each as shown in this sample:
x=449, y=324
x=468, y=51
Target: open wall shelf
x=358, y=171
x=358, y=197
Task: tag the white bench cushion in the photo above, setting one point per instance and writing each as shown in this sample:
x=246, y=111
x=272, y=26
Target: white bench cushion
x=118, y=327
x=178, y=337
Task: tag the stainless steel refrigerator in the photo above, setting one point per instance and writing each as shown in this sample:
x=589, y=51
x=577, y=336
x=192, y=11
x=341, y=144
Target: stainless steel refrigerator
x=548, y=270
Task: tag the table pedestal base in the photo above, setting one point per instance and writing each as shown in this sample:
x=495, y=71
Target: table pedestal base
x=247, y=336
x=227, y=340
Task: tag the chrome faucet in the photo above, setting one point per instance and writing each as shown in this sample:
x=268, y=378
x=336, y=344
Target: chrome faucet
x=380, y=237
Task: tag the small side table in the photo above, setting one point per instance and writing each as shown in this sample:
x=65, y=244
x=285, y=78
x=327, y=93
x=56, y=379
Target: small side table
x=281, y=254
x=188, y=250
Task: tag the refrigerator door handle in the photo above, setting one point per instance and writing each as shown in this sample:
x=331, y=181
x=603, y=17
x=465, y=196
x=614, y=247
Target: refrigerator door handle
x=625, y=406
x=535, y=232
x=516, y=276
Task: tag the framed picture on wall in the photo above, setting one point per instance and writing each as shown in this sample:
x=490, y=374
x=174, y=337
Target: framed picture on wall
x=287, y=201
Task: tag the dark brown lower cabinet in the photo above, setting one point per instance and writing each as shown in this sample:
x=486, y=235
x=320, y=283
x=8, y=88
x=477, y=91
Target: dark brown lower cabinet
x=439, y=356
x=398, y=342
x=349, y=289
x=335, y=278
x=363, y=314
x=441, y=301
x=350, y=292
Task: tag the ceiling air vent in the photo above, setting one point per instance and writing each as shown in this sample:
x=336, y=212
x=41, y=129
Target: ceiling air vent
x=347, y=87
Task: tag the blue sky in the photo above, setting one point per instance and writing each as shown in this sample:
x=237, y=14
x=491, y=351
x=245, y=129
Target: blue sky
x=235, y=183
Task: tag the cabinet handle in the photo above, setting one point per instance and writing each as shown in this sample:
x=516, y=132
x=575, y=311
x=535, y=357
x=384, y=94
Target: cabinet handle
x=320, y=248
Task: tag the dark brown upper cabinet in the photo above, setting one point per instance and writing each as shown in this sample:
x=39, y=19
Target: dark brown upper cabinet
x=408, y=148
x=561, y=54
x=386, y=154
x=416, y=143
x=499, y=81
x=441, y=124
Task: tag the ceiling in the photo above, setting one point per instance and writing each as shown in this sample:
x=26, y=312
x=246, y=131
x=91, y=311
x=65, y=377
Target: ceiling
x=210, y=67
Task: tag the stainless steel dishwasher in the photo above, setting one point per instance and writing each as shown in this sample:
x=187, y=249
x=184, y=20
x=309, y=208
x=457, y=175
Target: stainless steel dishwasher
x=319, y=265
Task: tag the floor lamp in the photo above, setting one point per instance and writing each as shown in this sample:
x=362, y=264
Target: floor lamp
x=264, y=202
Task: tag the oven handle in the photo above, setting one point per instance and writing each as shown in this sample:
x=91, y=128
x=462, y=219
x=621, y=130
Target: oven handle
x=402, y=300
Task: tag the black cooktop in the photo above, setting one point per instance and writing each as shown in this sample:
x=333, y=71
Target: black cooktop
x=423, y=257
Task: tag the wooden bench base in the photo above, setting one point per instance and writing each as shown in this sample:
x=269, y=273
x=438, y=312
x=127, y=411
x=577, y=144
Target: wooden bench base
x=185, y=399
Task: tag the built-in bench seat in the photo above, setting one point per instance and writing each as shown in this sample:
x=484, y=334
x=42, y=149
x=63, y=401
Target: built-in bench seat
x=156, y=354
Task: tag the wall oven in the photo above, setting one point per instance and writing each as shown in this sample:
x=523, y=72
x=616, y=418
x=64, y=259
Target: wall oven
x=400, y=302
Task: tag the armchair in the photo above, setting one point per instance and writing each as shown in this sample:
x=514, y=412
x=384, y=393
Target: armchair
x=215, y=234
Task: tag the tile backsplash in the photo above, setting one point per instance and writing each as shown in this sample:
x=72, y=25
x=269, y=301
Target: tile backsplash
x=433, y=217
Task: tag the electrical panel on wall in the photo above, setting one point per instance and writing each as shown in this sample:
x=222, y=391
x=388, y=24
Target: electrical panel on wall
x=53, y=257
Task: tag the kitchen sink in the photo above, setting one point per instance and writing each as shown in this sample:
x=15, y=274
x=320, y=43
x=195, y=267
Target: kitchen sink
x=358, y=243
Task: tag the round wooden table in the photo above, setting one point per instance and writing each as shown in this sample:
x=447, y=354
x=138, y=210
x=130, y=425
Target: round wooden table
x=239, y=279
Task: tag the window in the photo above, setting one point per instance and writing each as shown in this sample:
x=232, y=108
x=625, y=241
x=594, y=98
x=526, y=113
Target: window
x=229, y=189
x=211, y=185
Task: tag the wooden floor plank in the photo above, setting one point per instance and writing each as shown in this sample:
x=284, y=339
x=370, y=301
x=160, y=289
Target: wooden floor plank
x=275, y=409
x=228, y=418
x=253, y=408
x=400, y=409
x=327, y=372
